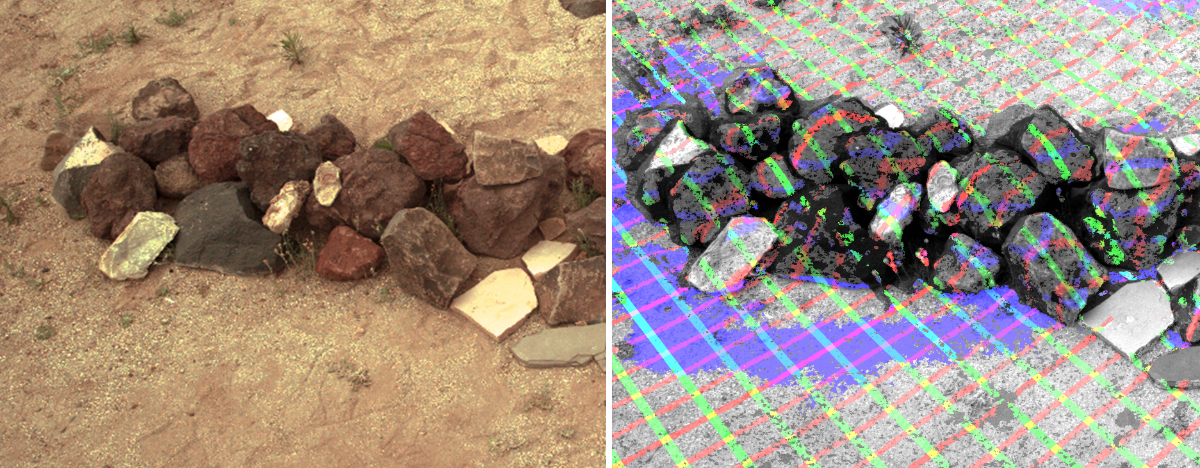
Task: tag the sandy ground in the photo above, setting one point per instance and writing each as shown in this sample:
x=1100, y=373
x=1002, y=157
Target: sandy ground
x=191, y=368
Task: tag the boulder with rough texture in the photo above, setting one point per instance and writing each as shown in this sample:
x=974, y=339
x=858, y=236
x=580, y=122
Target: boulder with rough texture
x=966, y=266
x=496, y=221
x=1177, y=369
x=996, y=190
x=895, y=213
x=750, y=137
x=121, y=187
x=501, y=161
x=752, y=87
x=1131, y=318
x=164, y=97
x=1135, y=161
x=332, y=137
x=425, y=258
x=74, y=171
x=327, y=183
x=429, y=148
x=552, y=227
x=586, y=158
x=270, y=159
x=773, y=177
x=220, y=230
x=349, y=256
x=130, y=256
x=213, y=150
x=286, y=205
x=669, y=157
x=712, y=191
x=944, y=133
x=634, y=137
x=1129, y=228
x=500, y=303
x=573, y=292
x=1057, y=273
x=561, y=347
x=546, y=255
x=159, y=139
x=375, y=185
x=736, y=252
x=879, y=160
x=818, y=144
x=175, y=178
x=57, y=145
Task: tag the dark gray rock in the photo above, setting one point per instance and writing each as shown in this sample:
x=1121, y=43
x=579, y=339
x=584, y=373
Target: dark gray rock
x=1135, y=161
x=1128, y=228
x=880, y=159
x=966, y=266
x=561, y=347
x=1056, y=274
x=332, y=138
x=583, y=9
x=712, y=191
x=943, y=133
x=425, y=258
x=996, y=191
x=220, y=229
x=270, y=159
x=573, y=292
x=818, y=144
x=773, y=177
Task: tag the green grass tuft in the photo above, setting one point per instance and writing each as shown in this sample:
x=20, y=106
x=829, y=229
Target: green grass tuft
x=436, y=204
x=60, y=76
x=97, y=45
x=384, y=143
x=44, y=332
x=173, y=18
x=589, y=248
x=293, y=48
x=131, y=36
x=583, y=194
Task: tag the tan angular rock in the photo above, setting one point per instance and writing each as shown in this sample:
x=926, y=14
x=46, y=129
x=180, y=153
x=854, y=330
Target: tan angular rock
x=552, y=227
x=551, y=144
x=72, y=173
x=286, y=205
x=327, y=183
x=892, y=114
x=500, y=303
x=503, y=161
x=281, y=119
x=546, y=255
x=1131, y=318
x=131, y=254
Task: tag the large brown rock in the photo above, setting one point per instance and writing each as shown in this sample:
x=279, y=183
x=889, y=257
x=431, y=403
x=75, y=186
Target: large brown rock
x=585, y=157
x=348, y=256
x=425, y=258
x=270, y=159
x=120, y=188
x=215, y=138
x=502, y=161
x=157, y=140
x=587, y=223
x=175, y=178
x=332, y=137
x=375, y=185
x=496, y=221
x=573, y=292
x=164, y=97
x=429, y=148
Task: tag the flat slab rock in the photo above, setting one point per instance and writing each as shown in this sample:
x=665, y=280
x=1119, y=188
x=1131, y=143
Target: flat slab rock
x=1132, y=317
x=545, y=255
x=1179, y=368
x=561, y=347
x=500, y=303
x=139, y=244
x=1179, y=269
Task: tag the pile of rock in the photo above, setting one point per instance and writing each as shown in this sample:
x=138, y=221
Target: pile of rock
x=245, y=180
x=772, y=184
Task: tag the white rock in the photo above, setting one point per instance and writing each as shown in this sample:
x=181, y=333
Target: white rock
x=1179, y=269
x=892, y=114
x=733, y=255
x=500, y=303
x=545, y=255
x=551, y=144
x=942, y=186
x=327, y=183
x=1187, y=145
x=73, y=172
x=1131, y=318
x=677, y=148
x=895, y=213
x=139, y=244
x=286, y=205
x=282, y=120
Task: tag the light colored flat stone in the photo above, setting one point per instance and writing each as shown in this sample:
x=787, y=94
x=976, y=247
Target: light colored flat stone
x=286, y=205
x=735, y=252
x=1179, y=368
x=500, y=303
x=130, y=256
x=551, y=144
x=892, y=114
x=282, y=120
x=677, y=148
x=552, y=227
x=327, y=183
x=1132, y=317
x=561, y=347
x=545, y=255
x=445, y=126
x=1187, y=145
x=1179, y=269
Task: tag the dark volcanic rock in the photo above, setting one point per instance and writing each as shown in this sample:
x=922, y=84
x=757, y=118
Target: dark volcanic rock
x=711, y=191
x=1052, y=146
x=750, y=137
x=996, y=191
x=121, y=187
x=573, y=292
x=673, y=153
x=966, y=266
x=175, y=178
x=823, y=238
x=270, y=159
x=348, y=256
x=496, y=221
x=164, y=97
x=1057, y=273
x=879, y=160
x=157, y=140
x=583, y=9
x=332, y=138
x=1135, y=161
x=213, y=150
x=1129, y=228
x=429, y=148
x=425, y=258
x=946, y=133
x=375, y=185
x=773, y=178
x=221, y=230
x=586, y=158
x=818, y=144
x=753, y=87
x=640, y=128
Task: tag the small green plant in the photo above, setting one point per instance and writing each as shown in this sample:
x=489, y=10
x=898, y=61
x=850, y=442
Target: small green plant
x=233, y=21
x=125, y=320
x=384, y=296
x=589, y=248
x=92, y=45
x=44, y=332
x=298, y=253
x=293, y=49
x=436, y=204
x=163, y=291
x=61, y=103
x=131, y=36
x=10, y=216
x=173, y=18
x=583, y=193
x=116, y=124
x=359, y=377
x=384, y=143
x=15, y=111
x=59, y=76
x=903, y=32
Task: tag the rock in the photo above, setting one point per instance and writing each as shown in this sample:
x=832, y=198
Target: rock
x=942, y=186
x=327, y=183
x=282, y=120
x=121, y=187
x=286, y=205
x=425, y=258
x=164, y=97
x=586, y=158
x=1129, y=228
x=1185, y=307
x=1177, y=270
x=588, y=224
x=375, y=185
x=1131, y=318
x=750, y=137
x=712, y=191
x=500, y=303
x=332, y=137
x=1135, y=161
x=1186, y=145
x=58, y=144
x=157, y=140
x=270, y=159
x=892, y=115
x=552, y=227
x=583, y=9
x=895, y=213
x=966, y=266
x=1048, y=142
x=944, y=133
x=818, y=144
x=552, y=144
x=429, y=148
x=561, y=347
x=1177, y=369
x=495, y=221
x=1188, y=238
x=998, y=125
x=996, y=190
x=736, y=252
x=220, y=230
x=752, y=87
x=501, y=161
x=878, y=160
x=773, y=177
x=348, y=256
x=821, y=237
x=1057, y=274
x=213, y=151
x=73, y=172
x=139, y=244
x=546, y=255
x=1187, y=154
x=634, y=137
x=175, y=178
x=573, y=292
x=673, y=153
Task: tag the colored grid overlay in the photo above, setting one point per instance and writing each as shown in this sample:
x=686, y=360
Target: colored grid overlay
x=818, y=373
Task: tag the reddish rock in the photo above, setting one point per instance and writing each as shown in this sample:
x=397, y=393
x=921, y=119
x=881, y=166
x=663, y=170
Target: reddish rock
x=175, y=178
x=271, y=159
x=573, y=292
x=375, y=185
x=496, y=221
x=332, y=137
x=120, y=188
x=429, y=148
x=585, y=157
x=215, y=138
x=157, y=140
x=349, y=256
x=58, y=144
x=164, y=97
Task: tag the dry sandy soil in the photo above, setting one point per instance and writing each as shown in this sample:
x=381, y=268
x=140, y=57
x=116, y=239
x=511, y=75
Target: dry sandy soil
x=191, y=368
